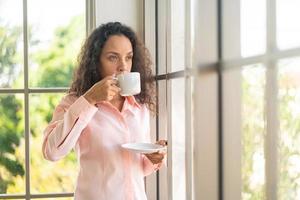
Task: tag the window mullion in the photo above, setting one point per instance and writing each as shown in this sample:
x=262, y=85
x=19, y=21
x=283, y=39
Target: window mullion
x=271, y=104
x=168, y=33
x=189, y=147
x=90, y=15
x=26, y=102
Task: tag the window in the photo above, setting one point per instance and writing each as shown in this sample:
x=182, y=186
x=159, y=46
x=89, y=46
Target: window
x=39, y=44
x=227, y=74
x=174, y=80
x=261, y=135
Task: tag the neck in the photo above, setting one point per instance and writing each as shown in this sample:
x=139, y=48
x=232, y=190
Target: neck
x=118, y=101
x=118, y=98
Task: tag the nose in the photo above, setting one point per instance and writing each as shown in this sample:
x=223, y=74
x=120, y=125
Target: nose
x=121, y=69
x=122, y=66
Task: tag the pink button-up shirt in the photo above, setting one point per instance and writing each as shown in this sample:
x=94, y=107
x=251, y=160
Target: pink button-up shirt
x=107, y=172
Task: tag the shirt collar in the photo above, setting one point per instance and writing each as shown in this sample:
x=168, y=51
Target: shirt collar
x=129, y=104
x=132, y=101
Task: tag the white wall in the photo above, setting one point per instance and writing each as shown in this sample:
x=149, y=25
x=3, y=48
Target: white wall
x=129, y=12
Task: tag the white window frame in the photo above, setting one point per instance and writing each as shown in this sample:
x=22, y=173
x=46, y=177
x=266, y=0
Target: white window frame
x=160, y=48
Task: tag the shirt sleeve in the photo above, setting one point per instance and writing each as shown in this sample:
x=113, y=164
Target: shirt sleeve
x=69, y=119
x=148, y=166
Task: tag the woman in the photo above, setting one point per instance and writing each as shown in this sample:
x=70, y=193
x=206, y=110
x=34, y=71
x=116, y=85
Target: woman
x=95, y=120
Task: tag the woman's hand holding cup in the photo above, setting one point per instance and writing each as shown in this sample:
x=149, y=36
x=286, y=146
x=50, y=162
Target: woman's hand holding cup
x=104, y=90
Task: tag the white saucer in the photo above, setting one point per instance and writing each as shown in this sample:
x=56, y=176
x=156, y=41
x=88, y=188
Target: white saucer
x=143, y=147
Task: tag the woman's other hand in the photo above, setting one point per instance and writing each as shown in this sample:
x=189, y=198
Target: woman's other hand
x=157, y=157
x=162, y=142
x=104, y=90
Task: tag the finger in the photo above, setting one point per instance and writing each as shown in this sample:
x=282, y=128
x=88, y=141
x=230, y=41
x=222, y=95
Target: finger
x=111, y=93
x=160, y=157
x=113, y=81
x=102, y=82
x=156, y=161
x=115, y=88
x=110, y=96
x=155, y=156
x=152, y=159
x=162, y=142
x=110, y=82
x=109, y=77
x=162, y=152
x=105, y=79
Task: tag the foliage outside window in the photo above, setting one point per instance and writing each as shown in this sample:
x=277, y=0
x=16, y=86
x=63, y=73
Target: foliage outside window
x=49, y=66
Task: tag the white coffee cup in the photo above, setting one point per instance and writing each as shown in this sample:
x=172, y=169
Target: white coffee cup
x=130, y=83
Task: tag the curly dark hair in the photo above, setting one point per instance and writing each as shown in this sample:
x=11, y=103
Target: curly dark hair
x=88, y=73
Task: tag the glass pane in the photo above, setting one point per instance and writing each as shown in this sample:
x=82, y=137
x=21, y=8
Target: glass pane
x=56, y=31
x=178, y=138
x=11, y=44
x=289, y=137
x=57, y=198
x=12, y=145
x=161, y=37
x=163, y=134
x=253, y=132
x=12, y=199
x=178, y=35
x=253, y=27
x=288, y=27
x=46, y=176
x=162, y=106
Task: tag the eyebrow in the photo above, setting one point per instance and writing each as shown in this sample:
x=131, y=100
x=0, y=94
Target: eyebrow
x=112, y=52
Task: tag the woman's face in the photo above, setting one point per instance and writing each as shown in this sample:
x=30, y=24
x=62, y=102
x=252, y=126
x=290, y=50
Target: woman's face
x=116, y=56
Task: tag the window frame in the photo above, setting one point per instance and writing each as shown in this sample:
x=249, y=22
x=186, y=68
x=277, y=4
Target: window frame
x=163, y=71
